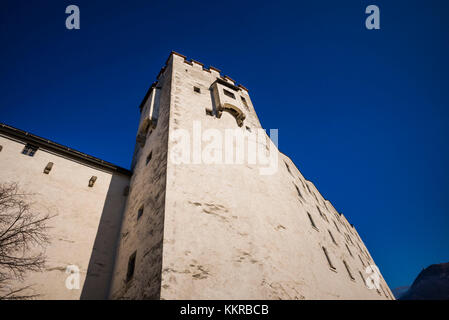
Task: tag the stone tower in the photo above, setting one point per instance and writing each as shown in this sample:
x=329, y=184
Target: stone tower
x=196, y=228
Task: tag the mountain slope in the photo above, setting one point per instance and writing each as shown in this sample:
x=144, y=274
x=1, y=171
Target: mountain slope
x=431, y=284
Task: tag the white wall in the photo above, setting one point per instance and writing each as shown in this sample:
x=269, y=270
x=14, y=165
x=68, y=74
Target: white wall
x=86, y=224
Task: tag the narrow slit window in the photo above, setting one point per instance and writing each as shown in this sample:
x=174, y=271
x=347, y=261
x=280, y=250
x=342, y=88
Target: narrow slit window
x=329, y=261
x=244, y=102
x=361, y=276
x=336, y=226
x=149, y=158
x=29, y=150
x=298, y=191
x=332, y=237
x=348, y=249
x=288, y=168
x=322, y=214
x=383, y=290
x=197, y=90
x=359, y=247
x=363, y=264
x=350, y=240
x=140, y=212
x=308, y=188
x=349, y=270
x=229, y=93
x=311, y=221
x=367, y=255
x=131, y=266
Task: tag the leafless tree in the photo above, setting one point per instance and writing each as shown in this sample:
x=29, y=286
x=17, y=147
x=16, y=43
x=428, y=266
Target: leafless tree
x=23, y=235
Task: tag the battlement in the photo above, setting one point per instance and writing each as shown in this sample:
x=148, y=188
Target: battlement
x=191, y=63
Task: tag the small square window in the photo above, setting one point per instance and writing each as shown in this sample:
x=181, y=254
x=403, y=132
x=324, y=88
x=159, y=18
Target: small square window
x=197, y=90
x=131, y=266
x=229, y=93
x=29, y=150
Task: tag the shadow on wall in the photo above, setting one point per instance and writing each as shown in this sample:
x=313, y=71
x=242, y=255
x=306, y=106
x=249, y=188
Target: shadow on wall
x=101, y=263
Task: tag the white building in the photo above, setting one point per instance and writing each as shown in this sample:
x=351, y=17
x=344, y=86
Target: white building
x=188, y=229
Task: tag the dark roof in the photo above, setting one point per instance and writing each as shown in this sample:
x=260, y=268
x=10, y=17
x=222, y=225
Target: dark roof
x=60, y=149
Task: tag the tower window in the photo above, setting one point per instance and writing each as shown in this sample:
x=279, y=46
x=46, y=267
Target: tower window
x=288, y=168
x=383, y=290
x=349, y=270
x=331, y=265
x=229, y=93
x=348, y=249
x=332, y=237
x=311, y=221
x=29, y=150
x=308, y=188
x=336, y=226
x=363, y=264
x=149, y=157
x=361, y=276
x=244, y=102
x=322, y=214
x=131, y=266
x=299, y=192
x=139, y=213
x=197, y=90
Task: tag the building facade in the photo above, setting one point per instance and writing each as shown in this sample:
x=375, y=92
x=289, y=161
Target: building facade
x=209, y=210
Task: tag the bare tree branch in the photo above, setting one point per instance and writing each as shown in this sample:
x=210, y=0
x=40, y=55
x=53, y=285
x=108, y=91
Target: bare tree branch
x=22, y=233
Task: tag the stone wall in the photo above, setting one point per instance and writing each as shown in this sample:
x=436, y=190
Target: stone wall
x=86, y=220
x=232, y=233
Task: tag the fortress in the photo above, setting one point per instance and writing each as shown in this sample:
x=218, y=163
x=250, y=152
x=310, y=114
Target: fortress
x=180, y=228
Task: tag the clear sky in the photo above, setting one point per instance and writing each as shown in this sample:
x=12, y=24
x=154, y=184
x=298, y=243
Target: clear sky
x=363, y=114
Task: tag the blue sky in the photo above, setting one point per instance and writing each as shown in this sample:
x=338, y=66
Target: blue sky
x=363, y=114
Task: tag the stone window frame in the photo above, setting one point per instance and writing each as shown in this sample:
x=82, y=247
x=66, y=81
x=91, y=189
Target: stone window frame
x=312, y=222
x=329, y=261
x=30, y=150
x=351, y=276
